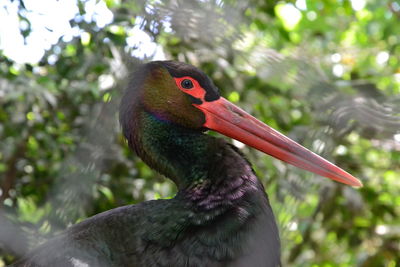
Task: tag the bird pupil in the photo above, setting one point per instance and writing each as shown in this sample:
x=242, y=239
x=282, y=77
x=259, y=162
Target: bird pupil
x=187, y=84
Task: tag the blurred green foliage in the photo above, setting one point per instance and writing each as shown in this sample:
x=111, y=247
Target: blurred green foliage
x=326, y=73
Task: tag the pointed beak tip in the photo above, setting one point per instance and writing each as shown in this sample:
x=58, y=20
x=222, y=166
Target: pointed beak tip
x=354, y=182
x=358, y=183
x=350, y=180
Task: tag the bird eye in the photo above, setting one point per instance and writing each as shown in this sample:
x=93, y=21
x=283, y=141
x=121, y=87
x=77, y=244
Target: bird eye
x=187, y=84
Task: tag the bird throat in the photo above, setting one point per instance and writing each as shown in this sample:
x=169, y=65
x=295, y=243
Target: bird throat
x=177, y=152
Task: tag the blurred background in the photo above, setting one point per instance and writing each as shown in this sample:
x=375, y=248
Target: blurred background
x=326, y=73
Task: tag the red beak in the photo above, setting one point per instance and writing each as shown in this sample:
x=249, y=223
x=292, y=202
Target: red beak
x=226, y=118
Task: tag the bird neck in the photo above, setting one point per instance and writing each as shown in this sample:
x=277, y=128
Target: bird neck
x=178, y=153
x=205, y=169
x=201, y=166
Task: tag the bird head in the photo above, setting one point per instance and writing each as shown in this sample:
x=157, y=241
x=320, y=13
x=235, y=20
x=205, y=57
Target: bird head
x=183, y=95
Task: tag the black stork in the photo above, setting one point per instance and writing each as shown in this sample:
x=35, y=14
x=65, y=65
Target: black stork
x=220, y=216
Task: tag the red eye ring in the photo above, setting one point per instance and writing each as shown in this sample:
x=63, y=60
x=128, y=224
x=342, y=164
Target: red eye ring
x=196, y=90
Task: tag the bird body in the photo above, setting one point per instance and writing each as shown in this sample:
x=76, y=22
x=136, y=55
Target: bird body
x=228, y=222
x=220, y=216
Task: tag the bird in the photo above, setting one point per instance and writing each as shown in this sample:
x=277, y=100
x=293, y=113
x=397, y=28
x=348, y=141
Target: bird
x=220, y=215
